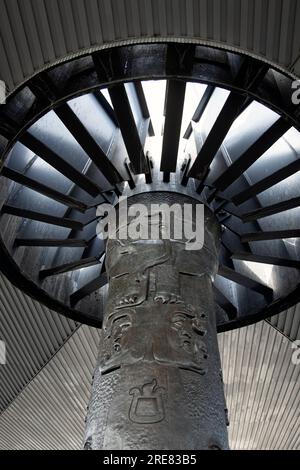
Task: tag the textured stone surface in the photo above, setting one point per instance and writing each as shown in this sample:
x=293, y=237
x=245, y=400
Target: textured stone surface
x=158, y=379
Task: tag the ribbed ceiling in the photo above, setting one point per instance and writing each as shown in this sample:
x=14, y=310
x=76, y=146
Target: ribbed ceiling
x=50, y=412
x=36, y=33
x=45, y=385
x=288, y=322
x=261, y=386
x=32, y=335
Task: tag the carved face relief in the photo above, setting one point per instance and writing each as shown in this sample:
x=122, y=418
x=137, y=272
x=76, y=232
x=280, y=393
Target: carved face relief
x=167, y=333
x=185, y=338
x=117, y=339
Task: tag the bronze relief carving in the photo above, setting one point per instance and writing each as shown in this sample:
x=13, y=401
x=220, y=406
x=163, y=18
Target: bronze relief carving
x=159, y=349
x=177, y=323
x=147, y=404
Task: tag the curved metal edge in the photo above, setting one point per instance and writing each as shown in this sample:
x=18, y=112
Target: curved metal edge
x=278, y=306
x=12, y=270
x=13, y=273
x=150, y=40
x=184, y=75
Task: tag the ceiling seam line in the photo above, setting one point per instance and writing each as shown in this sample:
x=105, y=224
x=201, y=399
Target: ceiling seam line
x=40, y=369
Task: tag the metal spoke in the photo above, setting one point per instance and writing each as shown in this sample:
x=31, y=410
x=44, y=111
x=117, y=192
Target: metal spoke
x=245, y=281
x=213, y=141
x=88, y=143
x=200, y=109
x=274, y=260
x=173, y=111
x=67, y=267
x=267, y=182
x=271, y=210
x=40, y=217
x=256, y=150
x=225, y=304
x=272, y=235
x=128, y=128
x=43, y=189
x=49, y=156
x=88, y=289
x=48, y=242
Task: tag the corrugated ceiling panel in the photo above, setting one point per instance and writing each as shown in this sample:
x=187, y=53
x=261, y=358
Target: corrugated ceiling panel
x=261, y=385
x=37, y=32
x=50, y=412
x=262, y=388
x=32, y=335
x=288, y=322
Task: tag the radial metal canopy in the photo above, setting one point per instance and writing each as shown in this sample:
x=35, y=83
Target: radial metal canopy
x=223, y=129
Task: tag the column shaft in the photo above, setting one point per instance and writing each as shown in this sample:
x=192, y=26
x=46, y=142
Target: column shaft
x=158, y=383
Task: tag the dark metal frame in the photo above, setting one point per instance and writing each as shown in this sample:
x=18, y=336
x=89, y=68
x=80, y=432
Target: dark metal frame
x=247, y=79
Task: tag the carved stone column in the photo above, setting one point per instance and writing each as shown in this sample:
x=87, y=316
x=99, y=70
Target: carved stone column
x=158, y=381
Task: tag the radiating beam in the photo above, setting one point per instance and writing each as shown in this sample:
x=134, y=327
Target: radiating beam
x=143, y=104
x=185, y=178
x=267, y=182
x=88, y=288
x=232, y=243
x=8, y=128
x=200, y=109
x=231, y=209
x=256, y=150
x=67, y=267
x=173, y=108
x=148, y=175
x=128, y=128
x=250, y=74
x=106, y=106
x=88, y=143
x=53, y=159
x=219, y=207
x=130, y=180
x=245, y=281
x=41, y=217
x=271, y=235
x=271, y=210
x=217, y=134
x=248, y=77
x=43, y=189
x=201, y=184
x=274, y=260
x=44, y=88
x=226, y=305
x=68, y=242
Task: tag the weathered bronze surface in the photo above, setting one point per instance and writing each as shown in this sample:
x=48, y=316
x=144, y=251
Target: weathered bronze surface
x=158, y=381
